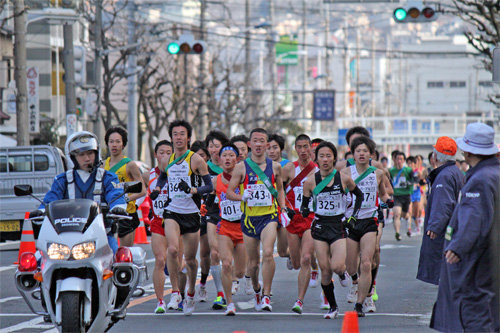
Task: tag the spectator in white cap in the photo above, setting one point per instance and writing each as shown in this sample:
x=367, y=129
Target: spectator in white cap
x=466, y=298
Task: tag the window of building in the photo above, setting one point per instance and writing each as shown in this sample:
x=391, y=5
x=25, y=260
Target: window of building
x=457, y=84
x=435, y=84
x=487, y=84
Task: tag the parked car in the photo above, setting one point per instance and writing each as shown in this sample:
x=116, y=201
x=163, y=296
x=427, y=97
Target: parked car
x=33, y=165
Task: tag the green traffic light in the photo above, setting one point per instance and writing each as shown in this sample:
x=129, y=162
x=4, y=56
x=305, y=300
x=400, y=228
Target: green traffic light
x=400, y=14
x=173, y=48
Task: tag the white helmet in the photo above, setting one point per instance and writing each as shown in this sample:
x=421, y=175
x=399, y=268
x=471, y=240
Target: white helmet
x=79, y=142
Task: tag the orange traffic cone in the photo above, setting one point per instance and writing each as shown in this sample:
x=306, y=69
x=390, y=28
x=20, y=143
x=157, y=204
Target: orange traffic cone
x=350, y=324
x=27, y=238
x=140, y=232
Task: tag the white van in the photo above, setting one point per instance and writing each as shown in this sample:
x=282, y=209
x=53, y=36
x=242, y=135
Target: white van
x=34, y=165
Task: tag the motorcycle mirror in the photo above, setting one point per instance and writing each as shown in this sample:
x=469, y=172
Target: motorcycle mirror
x=22, y=190
x=132, y=187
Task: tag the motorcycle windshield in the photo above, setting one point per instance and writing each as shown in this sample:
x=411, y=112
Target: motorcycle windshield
x=72, y=215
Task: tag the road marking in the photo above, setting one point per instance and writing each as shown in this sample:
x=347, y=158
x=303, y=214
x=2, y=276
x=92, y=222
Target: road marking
x=392, y=246
x=175, y=313
x=54, y=330
x=17, y=314
x=9, y=299
x=6, y=268
x=23, y=326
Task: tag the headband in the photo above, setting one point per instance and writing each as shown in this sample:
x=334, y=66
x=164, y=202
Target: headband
x=229, y=148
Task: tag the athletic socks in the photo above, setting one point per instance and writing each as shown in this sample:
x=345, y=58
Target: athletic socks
x=204, y=278
x=216, y=274
x=374, y=275
x=354, y=277
x=330, y=296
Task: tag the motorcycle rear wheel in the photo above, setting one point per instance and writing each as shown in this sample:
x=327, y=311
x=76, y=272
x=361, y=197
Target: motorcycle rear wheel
x=72, y=312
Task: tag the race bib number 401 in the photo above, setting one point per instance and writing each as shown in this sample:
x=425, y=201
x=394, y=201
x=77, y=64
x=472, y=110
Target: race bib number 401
x=260, y=196
x=230, y=210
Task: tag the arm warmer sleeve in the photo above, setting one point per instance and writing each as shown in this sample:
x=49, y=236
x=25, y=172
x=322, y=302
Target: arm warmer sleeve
x=305, y=203
x=162, y=179
x=207, y=188
x=359, y=200
x=210, y=200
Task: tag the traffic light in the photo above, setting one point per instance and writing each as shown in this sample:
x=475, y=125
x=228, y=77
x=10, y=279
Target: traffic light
x=80, y=71
x=79, y=106
x=415, y=14
x=186, y=45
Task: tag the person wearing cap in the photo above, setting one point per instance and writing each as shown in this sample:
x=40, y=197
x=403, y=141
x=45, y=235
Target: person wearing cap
x=446, y=181
x=466, y=298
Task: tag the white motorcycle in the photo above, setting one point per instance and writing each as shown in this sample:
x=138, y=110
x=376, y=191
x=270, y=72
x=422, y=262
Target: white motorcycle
x=81, y=285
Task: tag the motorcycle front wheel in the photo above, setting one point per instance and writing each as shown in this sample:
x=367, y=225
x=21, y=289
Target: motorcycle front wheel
x=72, y=312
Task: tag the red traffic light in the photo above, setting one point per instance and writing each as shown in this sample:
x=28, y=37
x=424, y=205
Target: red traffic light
x=198, y=48
x=428, y=12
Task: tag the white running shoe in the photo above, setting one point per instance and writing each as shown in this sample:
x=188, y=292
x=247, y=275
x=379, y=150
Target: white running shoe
x=175, y=299
x=189, y=305
x=332, y=314
x=368, y=305
x=248, y=286
x=202, y=293
x=352, y=296
x=230, y=310
x=297, y=308
x=289, y=264
x=313, y=283
x=258, y=301
x=161, y=307
x=346, y=282
x=235, y=287
x=266, y=304
x=324, y=302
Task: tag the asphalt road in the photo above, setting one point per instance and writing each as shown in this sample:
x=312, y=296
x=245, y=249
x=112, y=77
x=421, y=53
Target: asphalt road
x=404, y=303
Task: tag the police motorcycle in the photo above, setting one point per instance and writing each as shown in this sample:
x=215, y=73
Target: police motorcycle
x=77, y=282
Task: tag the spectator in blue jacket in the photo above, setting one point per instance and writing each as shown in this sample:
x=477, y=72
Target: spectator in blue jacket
x=466, y=296
x=446, y=181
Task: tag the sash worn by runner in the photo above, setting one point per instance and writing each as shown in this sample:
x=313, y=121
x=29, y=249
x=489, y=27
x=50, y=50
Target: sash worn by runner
x=262, y=176
x=118, y=165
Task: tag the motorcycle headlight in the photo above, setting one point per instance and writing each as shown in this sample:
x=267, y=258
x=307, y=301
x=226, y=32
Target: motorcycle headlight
x=83, y=250
x=58, y=251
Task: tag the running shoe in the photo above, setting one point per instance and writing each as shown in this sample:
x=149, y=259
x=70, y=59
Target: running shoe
x=398, y=236
x=324, y=302
x=189, y=305
x=181, y=306
x=219, y=303
x=418, y=231
x=202, y=293
x=230, y=310
x=408, y=233
x=359, y=310
x=161, y=307
x=352, y=296
x=235, y=287
x=313, y=283
x=258, y=301
x=375, y=295
x=332, y=313
x=175, y=299
x=368, y=305
x=346, y=281
x=266, y=304
x=289, y=264
x=248, y=286
x=297, y=308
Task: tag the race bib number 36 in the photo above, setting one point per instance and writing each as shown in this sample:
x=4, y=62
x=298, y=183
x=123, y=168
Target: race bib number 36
x=260, y=196
x=173, y=186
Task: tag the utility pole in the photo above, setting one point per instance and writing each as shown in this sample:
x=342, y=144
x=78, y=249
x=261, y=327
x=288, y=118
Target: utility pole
x=358, y=59
x=249, y=116
x=347, y=111
x=185, y=97
x=272, y=53
x=304, y=58
x=22, y=121
x=202, y=111
x=373, y=77
x=132, y=84
x=69, y=75
x=98, y=65
x=327, y=47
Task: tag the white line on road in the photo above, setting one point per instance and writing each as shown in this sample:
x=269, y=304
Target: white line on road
x=54, y=330
x=9, y=299
x=272, y=314
x=17, y=314
x=23, y=326
x=6, y=268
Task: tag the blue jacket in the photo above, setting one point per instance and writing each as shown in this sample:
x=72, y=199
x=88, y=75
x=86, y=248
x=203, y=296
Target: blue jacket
x=85, y=190
x=446, y=182
x=466, y=296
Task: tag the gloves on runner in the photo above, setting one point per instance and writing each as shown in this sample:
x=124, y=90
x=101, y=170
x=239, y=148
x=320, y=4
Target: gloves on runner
x=118, y=211
x=247, y=194
x=390, y=203
x=203, y=210
x=284, y=219
x=154, y=194
x=184, y=187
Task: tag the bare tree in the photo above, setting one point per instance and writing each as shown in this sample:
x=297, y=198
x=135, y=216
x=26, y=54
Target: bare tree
x=484, y=17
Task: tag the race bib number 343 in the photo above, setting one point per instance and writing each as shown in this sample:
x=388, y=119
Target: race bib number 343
x=260, y=196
